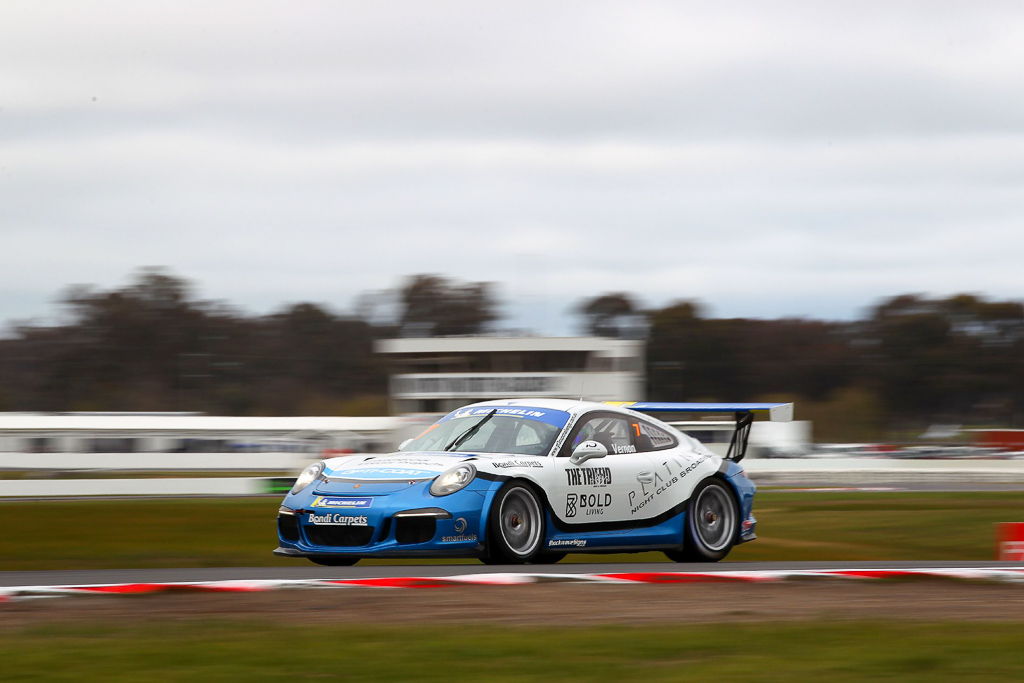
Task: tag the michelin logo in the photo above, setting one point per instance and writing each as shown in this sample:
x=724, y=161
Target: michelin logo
x=333, y=502
x=510, y=412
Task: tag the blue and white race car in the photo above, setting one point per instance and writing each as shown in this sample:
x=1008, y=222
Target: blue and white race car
x=528, y=480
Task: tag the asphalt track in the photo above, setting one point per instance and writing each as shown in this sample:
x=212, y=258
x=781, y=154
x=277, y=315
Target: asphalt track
x=73, y=577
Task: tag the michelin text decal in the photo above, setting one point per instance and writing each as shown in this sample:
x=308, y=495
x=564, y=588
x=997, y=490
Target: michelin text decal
x=332, y=502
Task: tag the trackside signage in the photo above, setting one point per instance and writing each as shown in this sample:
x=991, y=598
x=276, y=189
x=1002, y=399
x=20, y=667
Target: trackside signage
x=1010, y=541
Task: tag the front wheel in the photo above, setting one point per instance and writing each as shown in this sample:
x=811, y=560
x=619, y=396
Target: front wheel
x=516, y=526
x=710, y=526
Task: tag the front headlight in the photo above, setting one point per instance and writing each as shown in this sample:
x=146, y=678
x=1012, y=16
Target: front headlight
x=308, y=476
x=455, y=479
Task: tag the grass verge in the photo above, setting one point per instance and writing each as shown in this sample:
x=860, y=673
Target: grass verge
x=241, y=531
x=260, y=650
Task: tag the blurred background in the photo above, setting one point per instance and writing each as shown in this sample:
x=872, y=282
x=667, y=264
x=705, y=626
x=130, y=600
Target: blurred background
x=263, y=209
x=322, y=223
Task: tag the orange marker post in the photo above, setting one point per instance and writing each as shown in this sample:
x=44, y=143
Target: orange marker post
x=1010, y=541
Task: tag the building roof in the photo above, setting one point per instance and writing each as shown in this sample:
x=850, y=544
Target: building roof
x=505, y=344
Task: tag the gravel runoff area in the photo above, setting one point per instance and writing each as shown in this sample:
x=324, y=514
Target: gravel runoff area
x=550, y=604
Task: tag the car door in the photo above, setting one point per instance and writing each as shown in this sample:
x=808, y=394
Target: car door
x=601, y=489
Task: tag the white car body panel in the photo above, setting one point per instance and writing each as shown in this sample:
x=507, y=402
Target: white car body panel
x=619, y=487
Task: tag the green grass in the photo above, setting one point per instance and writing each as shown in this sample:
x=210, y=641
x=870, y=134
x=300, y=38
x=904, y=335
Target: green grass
x=259, y=650
x=241, y=531
x=879, y=526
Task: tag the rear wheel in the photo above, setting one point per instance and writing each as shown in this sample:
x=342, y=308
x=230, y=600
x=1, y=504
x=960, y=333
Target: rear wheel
x=516, y=527
x=710, y=526
x=329, y=561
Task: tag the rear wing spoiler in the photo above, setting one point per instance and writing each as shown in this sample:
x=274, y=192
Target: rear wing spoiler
x=743, y=414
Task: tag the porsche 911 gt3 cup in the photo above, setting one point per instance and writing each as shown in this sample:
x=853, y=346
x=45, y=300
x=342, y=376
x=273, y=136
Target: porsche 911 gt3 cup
x=527, y=481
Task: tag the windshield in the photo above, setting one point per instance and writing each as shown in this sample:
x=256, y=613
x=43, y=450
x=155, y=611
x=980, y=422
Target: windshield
x=518, y=430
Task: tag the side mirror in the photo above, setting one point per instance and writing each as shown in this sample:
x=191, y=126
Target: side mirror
x=404, y=444
x=587, y=450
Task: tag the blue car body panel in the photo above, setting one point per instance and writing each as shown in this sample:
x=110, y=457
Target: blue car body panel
x=450, y=535
x=462, y=517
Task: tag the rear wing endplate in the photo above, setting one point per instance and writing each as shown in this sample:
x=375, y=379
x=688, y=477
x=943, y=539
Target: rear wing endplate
x=743, y=414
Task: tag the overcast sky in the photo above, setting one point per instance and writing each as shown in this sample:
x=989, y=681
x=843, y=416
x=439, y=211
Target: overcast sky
x=767, y=158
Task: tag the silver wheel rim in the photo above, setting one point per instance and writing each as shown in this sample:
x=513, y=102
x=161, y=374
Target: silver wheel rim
x=715, y=517
x=520, y=521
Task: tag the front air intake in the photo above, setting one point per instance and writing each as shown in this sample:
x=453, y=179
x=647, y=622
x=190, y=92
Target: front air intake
x=288, y=527
x=339, y=536
x=414, y=529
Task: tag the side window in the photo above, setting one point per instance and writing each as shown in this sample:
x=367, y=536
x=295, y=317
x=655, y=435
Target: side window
x=651, y=438
x=616, y=433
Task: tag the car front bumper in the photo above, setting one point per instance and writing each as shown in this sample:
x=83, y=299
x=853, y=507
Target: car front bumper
x=406, y=523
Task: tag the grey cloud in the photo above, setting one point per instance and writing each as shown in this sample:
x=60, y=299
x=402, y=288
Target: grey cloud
x=781, y=160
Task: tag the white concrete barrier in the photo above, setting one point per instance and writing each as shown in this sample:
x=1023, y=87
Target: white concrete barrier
x=192, y=486
x=884, y=469
x=816, y=470
x=253, y=462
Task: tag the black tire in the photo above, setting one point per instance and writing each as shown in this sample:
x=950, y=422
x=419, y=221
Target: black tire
x=328, y=561
x=549, y=558
x=711, y=525
x=515, y=530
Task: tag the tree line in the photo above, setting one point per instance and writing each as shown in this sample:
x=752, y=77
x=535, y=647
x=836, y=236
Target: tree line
x=153, y=345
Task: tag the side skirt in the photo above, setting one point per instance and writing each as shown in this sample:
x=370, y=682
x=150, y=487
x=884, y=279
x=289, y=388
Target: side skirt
x=666, y=534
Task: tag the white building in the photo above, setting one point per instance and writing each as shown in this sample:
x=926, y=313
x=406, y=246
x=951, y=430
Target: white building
x=438, y=374
x=788, y=439
x=67, y=442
